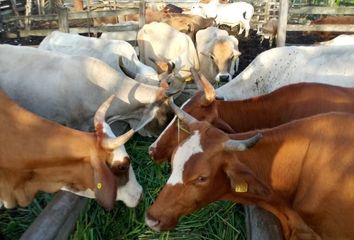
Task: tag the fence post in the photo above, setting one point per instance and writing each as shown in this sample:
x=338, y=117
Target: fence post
x=283, y=21
x=2, y=33
x=63, y=20
x=141, y=24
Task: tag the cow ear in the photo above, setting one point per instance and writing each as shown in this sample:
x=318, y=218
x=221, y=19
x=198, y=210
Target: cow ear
x=237, y=53
x=234, y=41
x=190, y=28
x=105, y=184
x=243, y=180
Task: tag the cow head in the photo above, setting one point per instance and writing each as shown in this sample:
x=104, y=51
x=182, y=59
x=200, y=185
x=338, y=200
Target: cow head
x=203, y=106
x=224, y=57
x=114, y=178
x=203, y=170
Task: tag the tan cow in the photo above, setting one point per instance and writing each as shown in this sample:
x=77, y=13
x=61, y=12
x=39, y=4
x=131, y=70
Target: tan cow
x=218, y=54
x=302, y=172
x=39, y=155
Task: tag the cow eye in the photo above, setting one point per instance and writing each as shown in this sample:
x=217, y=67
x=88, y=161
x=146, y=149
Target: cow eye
x=201, y=180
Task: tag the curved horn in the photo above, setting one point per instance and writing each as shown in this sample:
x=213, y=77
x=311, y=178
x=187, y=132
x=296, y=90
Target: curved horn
x=113, y=143
x=124, y=69
x=101, y=111
x=182, y=115
x=241, y=145
x=99, y=119
x=205, y=85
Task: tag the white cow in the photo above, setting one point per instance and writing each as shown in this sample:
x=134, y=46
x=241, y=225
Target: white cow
x=218, y=54
x=278, y=67
x=344, y=39
x=68, y=89
x=160, y=42
x=231, y=14
x=106, y=50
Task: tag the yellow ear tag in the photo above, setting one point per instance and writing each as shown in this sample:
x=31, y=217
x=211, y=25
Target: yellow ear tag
x=99, y=186
x=241, y=187
x=188, y=79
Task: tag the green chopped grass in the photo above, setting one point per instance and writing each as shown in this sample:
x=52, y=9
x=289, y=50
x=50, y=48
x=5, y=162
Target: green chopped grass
x=220, y=220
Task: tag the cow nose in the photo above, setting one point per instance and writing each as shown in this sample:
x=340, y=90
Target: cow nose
x=152, y=222
x=224, y=78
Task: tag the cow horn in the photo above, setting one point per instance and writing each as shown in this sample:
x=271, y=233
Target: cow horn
x=205, y=85
x=241, y=145
x=101, y=111
x=113, y=143
x=124, y=69
x=182, y=115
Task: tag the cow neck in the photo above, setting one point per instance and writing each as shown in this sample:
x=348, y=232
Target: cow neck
x=277, y=158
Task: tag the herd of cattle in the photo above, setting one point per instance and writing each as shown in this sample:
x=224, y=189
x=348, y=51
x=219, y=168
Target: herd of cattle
x=276, y=135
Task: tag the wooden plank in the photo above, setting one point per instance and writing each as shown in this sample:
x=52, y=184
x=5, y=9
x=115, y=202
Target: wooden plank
x=63, y=20
x=282, y=23
x=74, y=15
x=14, y=8
x=261, y=224
x=126, y=31
x=323, y=10
x=321, y=28
x=103, y=13
x=52, y=222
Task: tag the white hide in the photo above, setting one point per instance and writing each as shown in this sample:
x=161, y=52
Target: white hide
x=341, y=40
x=231, y=14
x=282, y=66
x=106, y=50
x=206, y=39
x=69, y=89
x=160, y=41
x=190, y=147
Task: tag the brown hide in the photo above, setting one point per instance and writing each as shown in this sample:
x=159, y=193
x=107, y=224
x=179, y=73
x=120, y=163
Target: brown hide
x=40, y=155
x=189, y=24
x=301, y=171
x=325, y=36
x=185, y=23
x=283, y=105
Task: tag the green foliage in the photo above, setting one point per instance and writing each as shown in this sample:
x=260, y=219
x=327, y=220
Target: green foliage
x=220, y=220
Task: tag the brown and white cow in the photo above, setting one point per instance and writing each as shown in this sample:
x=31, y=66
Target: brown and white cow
x=302, y=172
x=285, y=104
x=40, y=155
x=218, y=54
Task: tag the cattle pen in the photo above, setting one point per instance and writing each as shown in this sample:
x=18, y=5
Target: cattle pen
x=24, y=20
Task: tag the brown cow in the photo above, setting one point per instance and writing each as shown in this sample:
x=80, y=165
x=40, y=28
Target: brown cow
x=302, y=172
x=338, y=20
x=283, y=105
x=39, y=155
x=185, y=23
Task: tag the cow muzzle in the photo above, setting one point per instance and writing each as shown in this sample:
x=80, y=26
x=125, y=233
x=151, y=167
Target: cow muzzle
x=224, y=77
x=161, y=224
